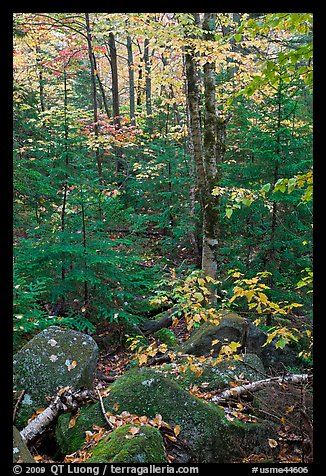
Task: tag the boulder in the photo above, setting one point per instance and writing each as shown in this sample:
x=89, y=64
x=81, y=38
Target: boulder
x=121, y=446
x=54, y=358
x=20, y=452
x=229, y=329
x=232, y=328
x=207, y=435
x=219, y=377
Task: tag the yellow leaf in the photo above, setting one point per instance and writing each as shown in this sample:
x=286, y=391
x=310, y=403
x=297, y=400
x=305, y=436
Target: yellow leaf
x=272, y=443
x=72, y=365
x=215, y=341
x=249, y=295
x=176, y=430
x=38, y=458
x=142, y=359
x=263, y=298
x=73, y=420
x=163, y=348
x=172, y=438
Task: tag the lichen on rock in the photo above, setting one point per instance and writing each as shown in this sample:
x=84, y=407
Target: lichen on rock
x=52, y=359
x=207, y=434
x=20, y=452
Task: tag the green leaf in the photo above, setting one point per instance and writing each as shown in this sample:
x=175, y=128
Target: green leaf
x=228, y=212
x=199, y=296
x=266, y=187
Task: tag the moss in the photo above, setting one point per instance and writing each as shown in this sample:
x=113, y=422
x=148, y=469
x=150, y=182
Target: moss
x=229, y=329
x=220, y=376
x=70, y=440
x=42, y=366
x=20, y=451
x=209, y=436
x=120, y=447
x=167, y=337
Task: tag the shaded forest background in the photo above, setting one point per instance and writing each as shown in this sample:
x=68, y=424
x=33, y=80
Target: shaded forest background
x=116, y=218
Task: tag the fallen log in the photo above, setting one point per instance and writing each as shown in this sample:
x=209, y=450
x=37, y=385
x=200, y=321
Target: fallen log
x=258, y=385
x=151, y=326
x=66, y=400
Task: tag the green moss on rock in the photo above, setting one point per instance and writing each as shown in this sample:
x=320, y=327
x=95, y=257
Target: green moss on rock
x=229, y=329
x=122, y=447
x=43, y=365
x=20, y=452
x=208, y=435
x=220, y=376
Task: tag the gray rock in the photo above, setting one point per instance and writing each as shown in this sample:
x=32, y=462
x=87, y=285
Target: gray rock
x=54, y=358
x=20, y=452
x=206, y=436
x=231, y=328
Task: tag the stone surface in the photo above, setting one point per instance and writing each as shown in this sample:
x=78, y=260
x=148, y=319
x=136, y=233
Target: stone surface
x=122, y=447
x=208, y=435
x=219, y=377
x=231, y=328
x=54, y=358
x=20, y=452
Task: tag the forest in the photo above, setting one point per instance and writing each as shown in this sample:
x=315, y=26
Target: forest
x=163, y=238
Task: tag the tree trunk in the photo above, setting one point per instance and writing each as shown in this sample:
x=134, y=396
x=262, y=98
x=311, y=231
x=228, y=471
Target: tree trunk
x=209, y=150
x=148, y=83
x=214, y=138
x=115, y=98
x=65, y=191
x=95, y=113
x=131, y=82
x=115, y=81
x=40, y=76
x=140, y=79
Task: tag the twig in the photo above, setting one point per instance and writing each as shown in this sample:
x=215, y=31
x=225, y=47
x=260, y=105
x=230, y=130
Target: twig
x=103, y=410
x=22, y=393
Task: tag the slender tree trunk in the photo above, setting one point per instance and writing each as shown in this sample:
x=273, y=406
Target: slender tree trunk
x=64, y=201
x=104, y=98
x=40, y=77
x=140, y=79
x=209, y=151
x=272, y=250
x=115, y=81
x=131, y=82
x=95, y=112
x=115, y=98
x=214, y=139
x=148, y=82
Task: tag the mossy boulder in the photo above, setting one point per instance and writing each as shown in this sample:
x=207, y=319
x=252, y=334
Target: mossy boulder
x=122, y=447
x=232, y=328
x=207, y=435
x=20, y=452
x=229, y=329
x=219, y=377
x=52, y=359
